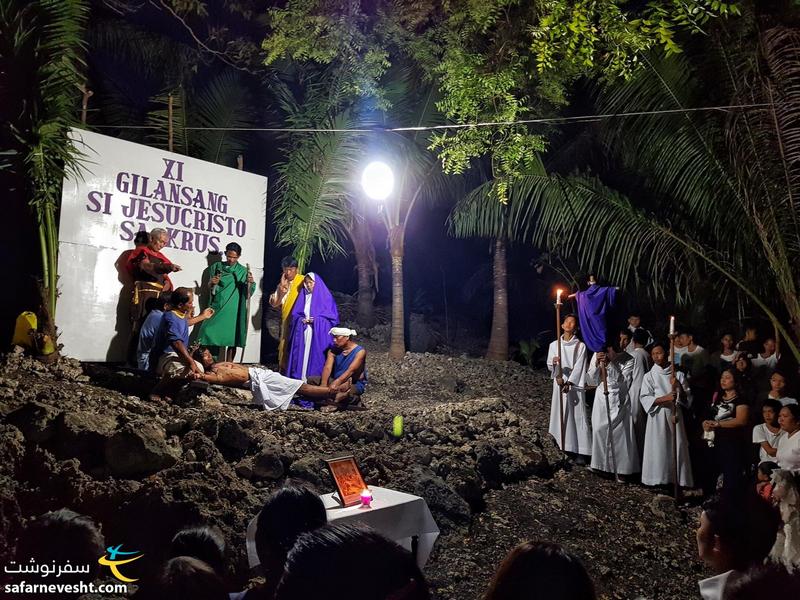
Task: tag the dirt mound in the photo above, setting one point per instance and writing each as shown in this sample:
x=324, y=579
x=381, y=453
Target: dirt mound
x=475, y=447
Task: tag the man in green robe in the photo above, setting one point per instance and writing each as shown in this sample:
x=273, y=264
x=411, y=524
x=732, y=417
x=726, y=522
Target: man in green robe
x=230, y=286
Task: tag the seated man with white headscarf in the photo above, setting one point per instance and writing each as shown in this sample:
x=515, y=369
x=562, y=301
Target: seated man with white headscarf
x=345, y=371
x=270, y=389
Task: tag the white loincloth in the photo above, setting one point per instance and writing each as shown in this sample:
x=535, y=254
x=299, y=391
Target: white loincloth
x=272, y=390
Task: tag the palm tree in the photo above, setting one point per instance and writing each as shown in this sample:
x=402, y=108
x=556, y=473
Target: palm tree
x=420, y=178
x=366, y=263
x=479, y=214
x=44, y=48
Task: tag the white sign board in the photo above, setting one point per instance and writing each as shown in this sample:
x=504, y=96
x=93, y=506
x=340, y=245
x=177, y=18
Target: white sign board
x=123, y=188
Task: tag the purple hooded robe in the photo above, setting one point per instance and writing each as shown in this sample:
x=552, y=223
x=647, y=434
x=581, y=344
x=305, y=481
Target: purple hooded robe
x=593, y=306
x=323, y=309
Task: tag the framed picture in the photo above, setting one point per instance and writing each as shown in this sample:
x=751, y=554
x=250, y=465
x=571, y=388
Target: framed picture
x=347, y=477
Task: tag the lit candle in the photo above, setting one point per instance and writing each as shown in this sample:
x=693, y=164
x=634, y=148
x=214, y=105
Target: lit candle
x=397, y=426
x=672, y=325
x=558, y=295
x=366, y=498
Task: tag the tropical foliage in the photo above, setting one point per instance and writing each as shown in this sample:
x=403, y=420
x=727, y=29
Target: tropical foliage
x=702, y=202
x=210, y=123
x=44, y=45
x=482, y=57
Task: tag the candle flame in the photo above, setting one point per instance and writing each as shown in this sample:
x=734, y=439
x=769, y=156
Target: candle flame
x=558, y=295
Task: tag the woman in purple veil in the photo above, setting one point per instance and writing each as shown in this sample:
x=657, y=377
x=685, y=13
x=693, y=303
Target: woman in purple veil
x=313, y=315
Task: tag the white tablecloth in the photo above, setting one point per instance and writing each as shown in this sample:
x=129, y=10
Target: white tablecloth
x=398, y=516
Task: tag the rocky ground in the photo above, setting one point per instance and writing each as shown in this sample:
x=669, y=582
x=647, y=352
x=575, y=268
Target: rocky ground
x=475, y=447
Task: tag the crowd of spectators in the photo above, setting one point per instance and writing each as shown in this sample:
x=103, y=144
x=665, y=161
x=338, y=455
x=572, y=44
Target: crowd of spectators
x=302, y=556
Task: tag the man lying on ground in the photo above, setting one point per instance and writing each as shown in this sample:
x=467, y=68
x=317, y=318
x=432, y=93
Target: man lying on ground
x=270, y=389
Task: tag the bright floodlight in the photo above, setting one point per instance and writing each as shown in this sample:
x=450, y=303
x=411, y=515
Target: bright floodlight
x=377, y=180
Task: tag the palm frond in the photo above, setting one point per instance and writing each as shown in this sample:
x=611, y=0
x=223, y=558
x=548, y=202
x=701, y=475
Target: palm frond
x=311, y=209
x=676, y=151
x=225, y=102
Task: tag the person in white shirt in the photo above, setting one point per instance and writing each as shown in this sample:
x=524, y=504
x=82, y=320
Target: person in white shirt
x=726, y=355
x=694, y=358
x=764, y=365
x=732, y=536
x=617, y=407
x=680, y=350
x=657, y=397
x=768, y=433
x=789, y=444
x=767, y=359
x=578, y=434
x=634, y=325
x=641, y=365
x=625, y=340
x=777, y=389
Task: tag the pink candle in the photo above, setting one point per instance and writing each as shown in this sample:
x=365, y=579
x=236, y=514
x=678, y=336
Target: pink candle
x=366, y=498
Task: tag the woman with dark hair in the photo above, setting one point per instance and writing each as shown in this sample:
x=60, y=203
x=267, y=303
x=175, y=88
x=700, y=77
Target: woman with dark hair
x=339, y=562
x=287, y=513
x=541, y=571
x=203, y=543
x=187, y=577
x=788, y=455
x=726, y=432
x=778, y=387
x=745, y=377
x=230, y=285
x=726, y=355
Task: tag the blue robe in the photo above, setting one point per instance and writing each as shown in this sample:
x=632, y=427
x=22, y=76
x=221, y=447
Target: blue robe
x=341, y=363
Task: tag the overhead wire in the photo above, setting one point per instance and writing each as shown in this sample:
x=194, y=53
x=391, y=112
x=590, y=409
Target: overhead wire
x=542, y=121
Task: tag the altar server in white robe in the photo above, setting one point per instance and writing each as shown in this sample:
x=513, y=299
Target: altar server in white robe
x=656, y=398
x=641, y=365
x=619, y=375
x=578, y=435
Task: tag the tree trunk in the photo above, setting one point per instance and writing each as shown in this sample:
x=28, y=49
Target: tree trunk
x=498, y=342
x=397, y=347
x=367, y=272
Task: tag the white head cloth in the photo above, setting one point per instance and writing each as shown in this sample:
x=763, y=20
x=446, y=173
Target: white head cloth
x=342, y=331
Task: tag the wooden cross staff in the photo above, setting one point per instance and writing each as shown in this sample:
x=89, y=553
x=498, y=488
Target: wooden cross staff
x=674, y=381
x=560, y=375
x=247, y=314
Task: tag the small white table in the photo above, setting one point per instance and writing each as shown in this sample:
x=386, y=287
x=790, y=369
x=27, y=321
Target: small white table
x=400, y=517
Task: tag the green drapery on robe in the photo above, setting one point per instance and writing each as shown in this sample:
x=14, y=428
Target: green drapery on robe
x=228, y=326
